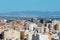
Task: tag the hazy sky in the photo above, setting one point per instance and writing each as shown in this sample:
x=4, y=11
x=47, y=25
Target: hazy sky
x=29, y=5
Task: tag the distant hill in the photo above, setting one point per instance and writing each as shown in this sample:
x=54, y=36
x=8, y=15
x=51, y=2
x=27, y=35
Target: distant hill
x=32, y=13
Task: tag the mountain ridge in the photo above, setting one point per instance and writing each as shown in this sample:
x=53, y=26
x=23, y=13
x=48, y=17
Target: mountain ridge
x=32, y=13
